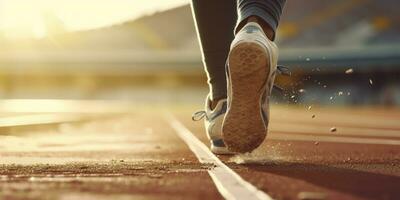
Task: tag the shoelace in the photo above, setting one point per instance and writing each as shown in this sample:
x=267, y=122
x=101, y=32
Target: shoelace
x=199, y=115
x=282, y=70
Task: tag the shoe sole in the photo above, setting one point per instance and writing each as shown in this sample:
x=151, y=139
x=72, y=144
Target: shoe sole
x=221, y=150
x=243, y=128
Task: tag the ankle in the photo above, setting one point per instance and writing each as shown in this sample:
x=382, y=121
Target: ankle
x=214, y=103
x=266, y=28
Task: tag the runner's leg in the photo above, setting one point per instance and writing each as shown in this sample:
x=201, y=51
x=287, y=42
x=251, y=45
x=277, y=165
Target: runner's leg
x=215, y=23
x=265, y=12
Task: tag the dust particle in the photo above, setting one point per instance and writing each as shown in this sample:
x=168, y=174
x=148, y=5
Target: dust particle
x=349, y=71
x=370, y=82
x=313, y=116
x=333, y=129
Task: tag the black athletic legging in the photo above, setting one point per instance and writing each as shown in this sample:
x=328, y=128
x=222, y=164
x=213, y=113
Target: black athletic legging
x=216, y=21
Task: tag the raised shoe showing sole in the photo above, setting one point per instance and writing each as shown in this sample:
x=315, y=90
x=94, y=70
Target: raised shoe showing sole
x=249, y=83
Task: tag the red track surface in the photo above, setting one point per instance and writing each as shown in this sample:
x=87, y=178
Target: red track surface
x=138, y=154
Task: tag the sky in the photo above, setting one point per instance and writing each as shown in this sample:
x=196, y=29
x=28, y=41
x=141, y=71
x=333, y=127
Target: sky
x=35, y=18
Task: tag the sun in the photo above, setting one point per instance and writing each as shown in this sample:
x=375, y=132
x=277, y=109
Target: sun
x=39, y=30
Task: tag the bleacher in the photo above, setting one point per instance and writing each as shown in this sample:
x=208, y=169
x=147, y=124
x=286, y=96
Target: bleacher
x=323, y=23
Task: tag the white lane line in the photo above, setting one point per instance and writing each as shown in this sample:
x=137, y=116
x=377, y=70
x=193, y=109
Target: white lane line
x=335, y=139
x=228, y=183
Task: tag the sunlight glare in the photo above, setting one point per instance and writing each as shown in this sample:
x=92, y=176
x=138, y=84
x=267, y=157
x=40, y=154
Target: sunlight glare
x=39, y=30
x=30, y=18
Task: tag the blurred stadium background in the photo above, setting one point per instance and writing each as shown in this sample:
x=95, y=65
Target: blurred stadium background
x=156, y=58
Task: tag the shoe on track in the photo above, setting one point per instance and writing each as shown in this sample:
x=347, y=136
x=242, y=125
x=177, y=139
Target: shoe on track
x=213, y=123
x=251, y=69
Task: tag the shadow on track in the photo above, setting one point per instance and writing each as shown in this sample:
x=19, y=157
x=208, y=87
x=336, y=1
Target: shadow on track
x=363, y=184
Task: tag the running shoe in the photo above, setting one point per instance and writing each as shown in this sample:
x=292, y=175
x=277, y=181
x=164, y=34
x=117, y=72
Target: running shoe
x=251, y=70
x=213, y=124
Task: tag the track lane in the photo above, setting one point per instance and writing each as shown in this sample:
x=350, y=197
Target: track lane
x=287, y=166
